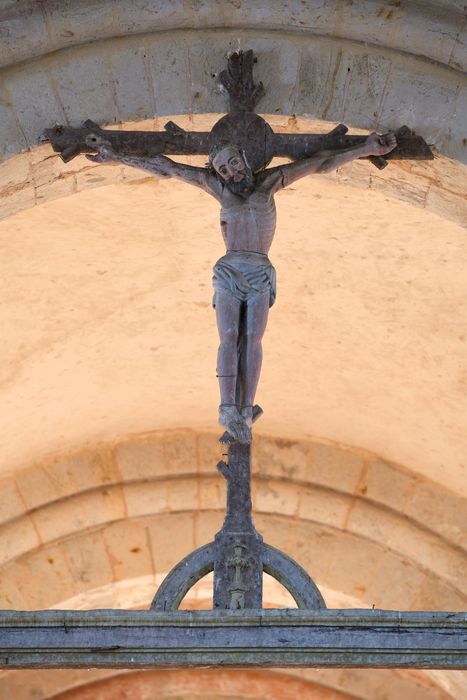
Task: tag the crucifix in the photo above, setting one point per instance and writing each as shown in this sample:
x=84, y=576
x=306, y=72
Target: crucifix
x=237, y=632
x=239, y=147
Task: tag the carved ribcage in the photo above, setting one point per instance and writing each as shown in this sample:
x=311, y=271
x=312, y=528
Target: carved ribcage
x=249, y=226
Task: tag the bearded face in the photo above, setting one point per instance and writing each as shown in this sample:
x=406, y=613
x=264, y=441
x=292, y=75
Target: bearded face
x=233, y=169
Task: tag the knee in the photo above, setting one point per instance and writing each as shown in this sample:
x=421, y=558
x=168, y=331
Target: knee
x=254, y=339
x=229, y=338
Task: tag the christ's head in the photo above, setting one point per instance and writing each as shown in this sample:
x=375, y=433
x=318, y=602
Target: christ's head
x=231, y=166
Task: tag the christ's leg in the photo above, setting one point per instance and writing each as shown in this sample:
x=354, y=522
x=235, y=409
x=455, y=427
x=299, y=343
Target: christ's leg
x=256, y=319
x=228, y=321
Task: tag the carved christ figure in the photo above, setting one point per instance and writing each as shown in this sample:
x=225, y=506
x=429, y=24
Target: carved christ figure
x=244, y=278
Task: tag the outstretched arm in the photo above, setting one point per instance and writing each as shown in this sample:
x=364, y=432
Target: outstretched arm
x=326, y=161
x=160, y=166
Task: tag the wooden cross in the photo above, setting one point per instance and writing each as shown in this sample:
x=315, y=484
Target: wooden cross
x=238, y=632
x=254, y=136
x=240, y=126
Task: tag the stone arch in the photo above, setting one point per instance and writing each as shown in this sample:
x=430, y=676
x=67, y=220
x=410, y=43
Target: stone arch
x=93, y=518
x=313, y=67
x=36, y=177
x=105, y=21
x=325, y=685
x=336, y=38
x=102, y=516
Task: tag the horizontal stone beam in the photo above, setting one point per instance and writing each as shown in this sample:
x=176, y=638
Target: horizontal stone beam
x=145, y=639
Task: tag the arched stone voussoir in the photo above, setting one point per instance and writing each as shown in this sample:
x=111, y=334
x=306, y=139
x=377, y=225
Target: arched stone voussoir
x=30, y=32
x=171, y=475
x=186, y=683
x=82, y=566
x=180, y=455
x=361, y=683
x=39, y=176
x=331, y=78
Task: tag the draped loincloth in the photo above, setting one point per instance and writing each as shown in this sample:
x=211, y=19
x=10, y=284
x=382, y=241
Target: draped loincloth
x=243, y=280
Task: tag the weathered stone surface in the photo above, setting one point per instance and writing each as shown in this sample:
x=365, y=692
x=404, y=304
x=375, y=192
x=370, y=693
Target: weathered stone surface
x=18, y=536
x=209, y=452
x=326, y=468
x=333, y=76
x=268, y=498
x=83, y=79
x=88, y=561
x=425, y=502
x=180, y=528
x=33, y=92
x=386, y=483
x=180, y=451
x=134, y=93
x=126, y=544
x=67, y=475
x=11, y=138
x=13, y=504
x=145, y=498
x=285, y=459
x=424, y=597
x=79, y=512
x=206, y=524
x=141, y=459
x=325, y=507
x=43, y=576
x=403, y=28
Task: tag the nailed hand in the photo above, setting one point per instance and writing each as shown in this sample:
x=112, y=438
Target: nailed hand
x=379, y=145
x=105, y=154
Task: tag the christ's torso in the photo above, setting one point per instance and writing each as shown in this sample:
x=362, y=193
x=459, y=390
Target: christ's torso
x=248, y=224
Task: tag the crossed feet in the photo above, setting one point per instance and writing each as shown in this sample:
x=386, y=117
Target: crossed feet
x=238, y=422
